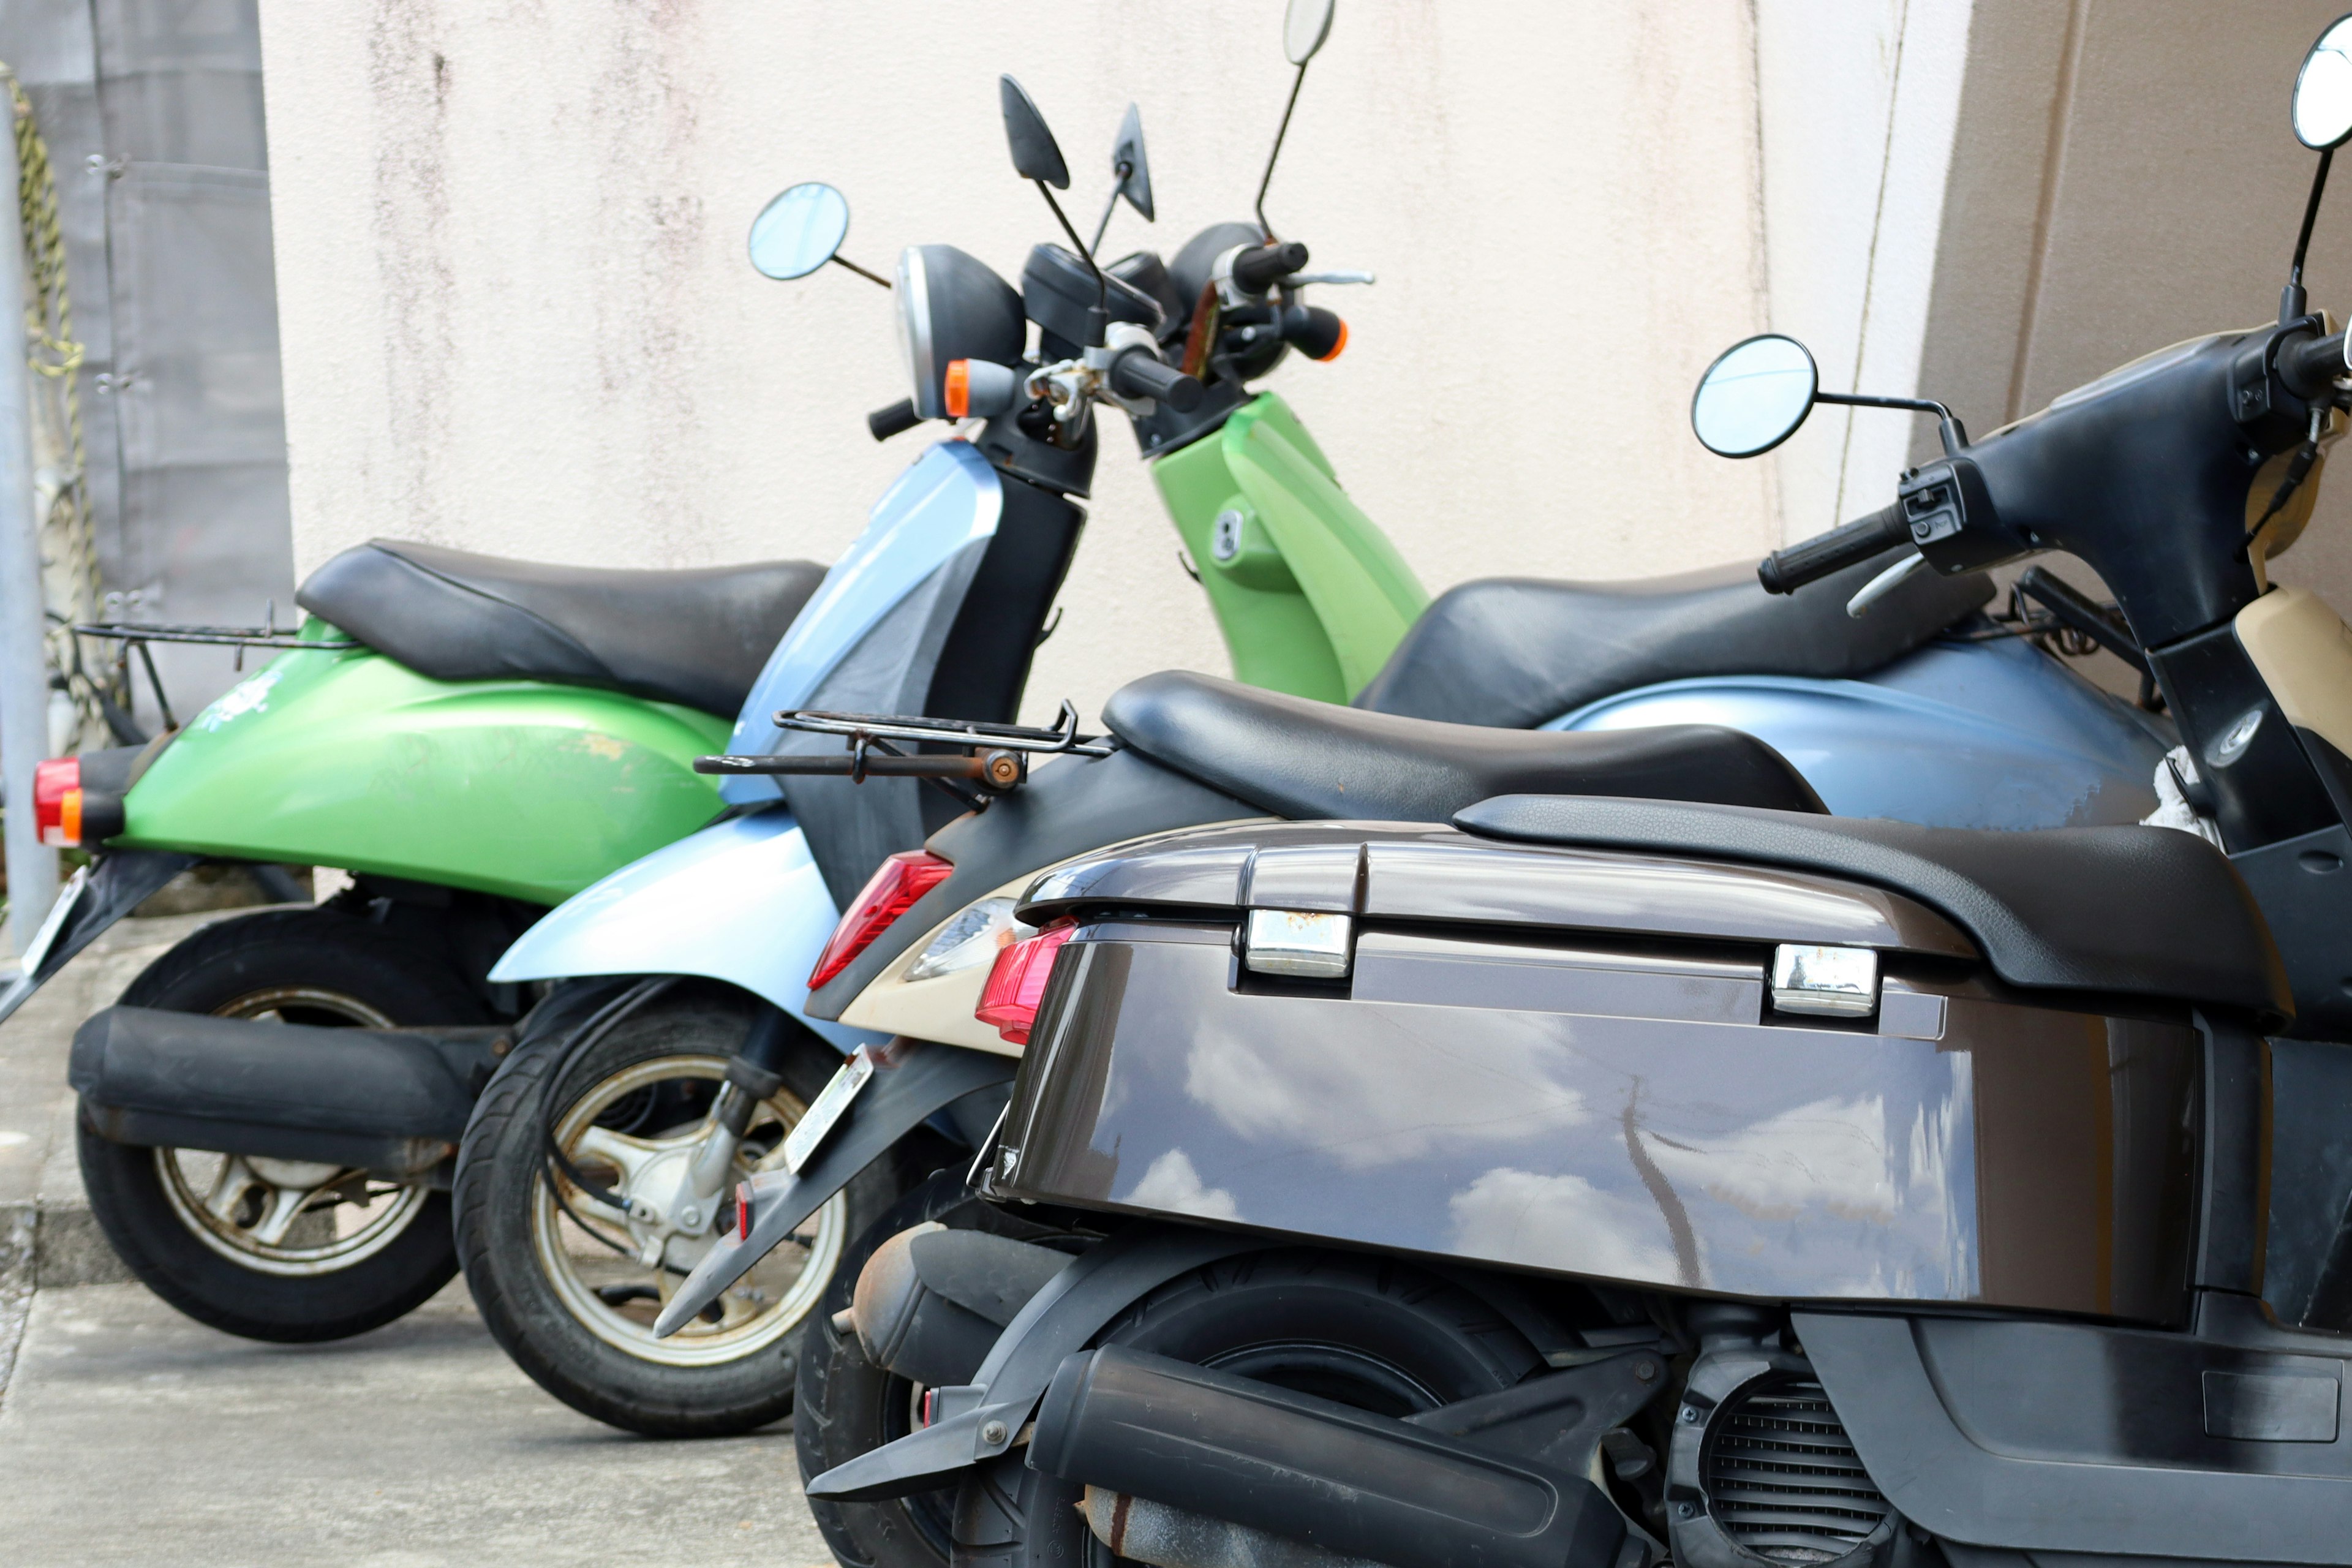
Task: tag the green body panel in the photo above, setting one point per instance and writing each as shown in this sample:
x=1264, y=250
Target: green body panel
x=519, y=788
x=1312, y=597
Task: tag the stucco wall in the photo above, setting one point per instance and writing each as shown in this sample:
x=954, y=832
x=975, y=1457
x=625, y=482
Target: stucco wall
x=517, y=318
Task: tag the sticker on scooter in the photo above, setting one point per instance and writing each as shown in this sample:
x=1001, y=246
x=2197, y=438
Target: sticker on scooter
x=249, y=696
x=809, y=1134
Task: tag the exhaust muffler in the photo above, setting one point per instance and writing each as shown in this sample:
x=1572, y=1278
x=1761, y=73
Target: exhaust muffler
x=393, y=1102
x=1303, y=1470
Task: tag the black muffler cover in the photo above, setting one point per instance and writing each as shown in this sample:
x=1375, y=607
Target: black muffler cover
x=1295, y=1466
x=392, y=1101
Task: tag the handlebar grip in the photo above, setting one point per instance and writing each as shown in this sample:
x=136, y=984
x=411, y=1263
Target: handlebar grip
x=895, y=420
x=1136, y=374
x=2309, y=366
x=1786, y=571
x=1260, y=267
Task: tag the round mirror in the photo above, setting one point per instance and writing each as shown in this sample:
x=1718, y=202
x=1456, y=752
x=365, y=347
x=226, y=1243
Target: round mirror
x=799, y=231
x=2323, y=88
x=1754, y=396
x=1305, y=25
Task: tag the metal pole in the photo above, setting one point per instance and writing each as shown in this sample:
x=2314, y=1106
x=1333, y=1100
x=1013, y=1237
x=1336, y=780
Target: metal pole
x=23, y=675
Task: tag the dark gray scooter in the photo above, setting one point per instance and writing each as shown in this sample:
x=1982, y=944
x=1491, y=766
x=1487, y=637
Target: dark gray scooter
x=1590, y=1181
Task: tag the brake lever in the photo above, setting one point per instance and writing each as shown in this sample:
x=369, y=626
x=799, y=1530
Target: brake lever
x=1300, y=280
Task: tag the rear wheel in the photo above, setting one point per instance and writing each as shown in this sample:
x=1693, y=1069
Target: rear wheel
x=570, y=1287
x=287, y=1251
x=1361, y=1330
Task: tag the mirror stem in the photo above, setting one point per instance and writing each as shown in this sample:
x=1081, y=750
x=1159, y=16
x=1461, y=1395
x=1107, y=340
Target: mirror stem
x=2294, y=302
x=1953, y=434
x=1280, y=131
x=1102, y=290
x=841, y=260
x=1111, y=205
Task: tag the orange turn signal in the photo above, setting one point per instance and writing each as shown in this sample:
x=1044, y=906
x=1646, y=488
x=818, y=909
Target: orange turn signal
x=959, y=388
x=1337, y=348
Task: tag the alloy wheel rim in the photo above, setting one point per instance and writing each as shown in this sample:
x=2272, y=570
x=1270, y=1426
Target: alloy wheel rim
x=294, y=1218
x=580, y=1246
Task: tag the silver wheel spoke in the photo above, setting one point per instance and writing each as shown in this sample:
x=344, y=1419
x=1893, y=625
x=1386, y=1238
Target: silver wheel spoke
x=285, y=1205
x=623, y=1154
x=234, y=1179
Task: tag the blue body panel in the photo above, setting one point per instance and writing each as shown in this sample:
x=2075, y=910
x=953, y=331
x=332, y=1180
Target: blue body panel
x=948, y=499
x=742, y=900
x=1954, y=735
x=739, y=901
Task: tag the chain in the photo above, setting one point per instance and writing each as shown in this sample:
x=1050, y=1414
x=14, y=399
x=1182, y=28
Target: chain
x=56, y=355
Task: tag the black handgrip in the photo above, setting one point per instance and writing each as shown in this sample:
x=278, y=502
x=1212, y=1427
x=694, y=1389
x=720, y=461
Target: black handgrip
x=895, y=420
x=1136, y=374
x=1786, y=571
x=2309, y=366
x=1261, y=267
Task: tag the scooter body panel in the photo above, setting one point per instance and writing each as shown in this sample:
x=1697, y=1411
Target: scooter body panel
x=346, y=758
x=1957, y=734
x=741, y=901
x=1633, y=1111
x=948, y=500
x=1309, y=594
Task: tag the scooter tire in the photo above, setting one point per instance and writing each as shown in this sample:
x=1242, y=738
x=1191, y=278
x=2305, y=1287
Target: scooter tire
x=845, y=1406
x=1361, y=1330
x=322, y=968
x=500, y=1168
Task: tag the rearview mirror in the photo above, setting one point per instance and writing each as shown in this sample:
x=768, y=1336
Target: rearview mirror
x=1035, y=155
x=799, y=231
x=1305, y=25
x=1754, y=396
x=2323, y=90
x=1126, y=152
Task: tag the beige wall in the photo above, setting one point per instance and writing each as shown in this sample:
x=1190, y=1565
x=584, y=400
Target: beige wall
x=517, y=317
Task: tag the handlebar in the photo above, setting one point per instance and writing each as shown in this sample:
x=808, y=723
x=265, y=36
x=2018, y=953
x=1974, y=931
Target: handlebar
x=2310, y=366
x=895, y=420
x=1136, y=374
x=1261, y=267
x=1786, y=571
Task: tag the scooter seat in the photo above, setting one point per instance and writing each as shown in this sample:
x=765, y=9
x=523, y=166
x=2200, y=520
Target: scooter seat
x=1297, y=758
x=1516, y=651
x=2143, y=911
x=695, y=637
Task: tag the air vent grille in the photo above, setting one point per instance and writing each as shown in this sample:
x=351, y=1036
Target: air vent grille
x=1782, y=1480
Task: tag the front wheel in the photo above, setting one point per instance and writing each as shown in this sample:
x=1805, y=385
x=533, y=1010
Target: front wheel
x=285, y=1250
x=571, y=1286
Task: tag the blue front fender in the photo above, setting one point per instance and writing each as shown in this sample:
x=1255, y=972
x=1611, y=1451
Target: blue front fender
x=741, y=901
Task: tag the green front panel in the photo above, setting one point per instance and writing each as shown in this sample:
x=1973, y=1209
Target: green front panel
x=1311, y=597
x=351, y=759
x=1271, y=631
x=1360, y=589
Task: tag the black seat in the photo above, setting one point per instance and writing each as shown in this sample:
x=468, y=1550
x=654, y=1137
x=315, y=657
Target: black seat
x=1297, y=758
x=2145, y=911
x=695, y=637
x=1516, y=651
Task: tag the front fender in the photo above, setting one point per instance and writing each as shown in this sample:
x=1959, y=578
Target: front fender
x=741, y=901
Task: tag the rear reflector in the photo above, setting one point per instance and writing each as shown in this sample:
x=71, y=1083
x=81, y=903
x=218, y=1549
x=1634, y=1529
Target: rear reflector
x=1009, y=1001
x=896, y=885
x=56, y=801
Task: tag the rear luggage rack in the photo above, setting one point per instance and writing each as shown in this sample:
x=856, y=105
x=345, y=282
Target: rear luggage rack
x=995, y=756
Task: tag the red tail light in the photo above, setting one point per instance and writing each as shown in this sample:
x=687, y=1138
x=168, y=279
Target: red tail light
x=896, y=885
x=56, y=801
x=1017, y=983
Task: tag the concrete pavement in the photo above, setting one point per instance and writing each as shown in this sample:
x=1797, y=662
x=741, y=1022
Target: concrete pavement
x=129, y=1433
